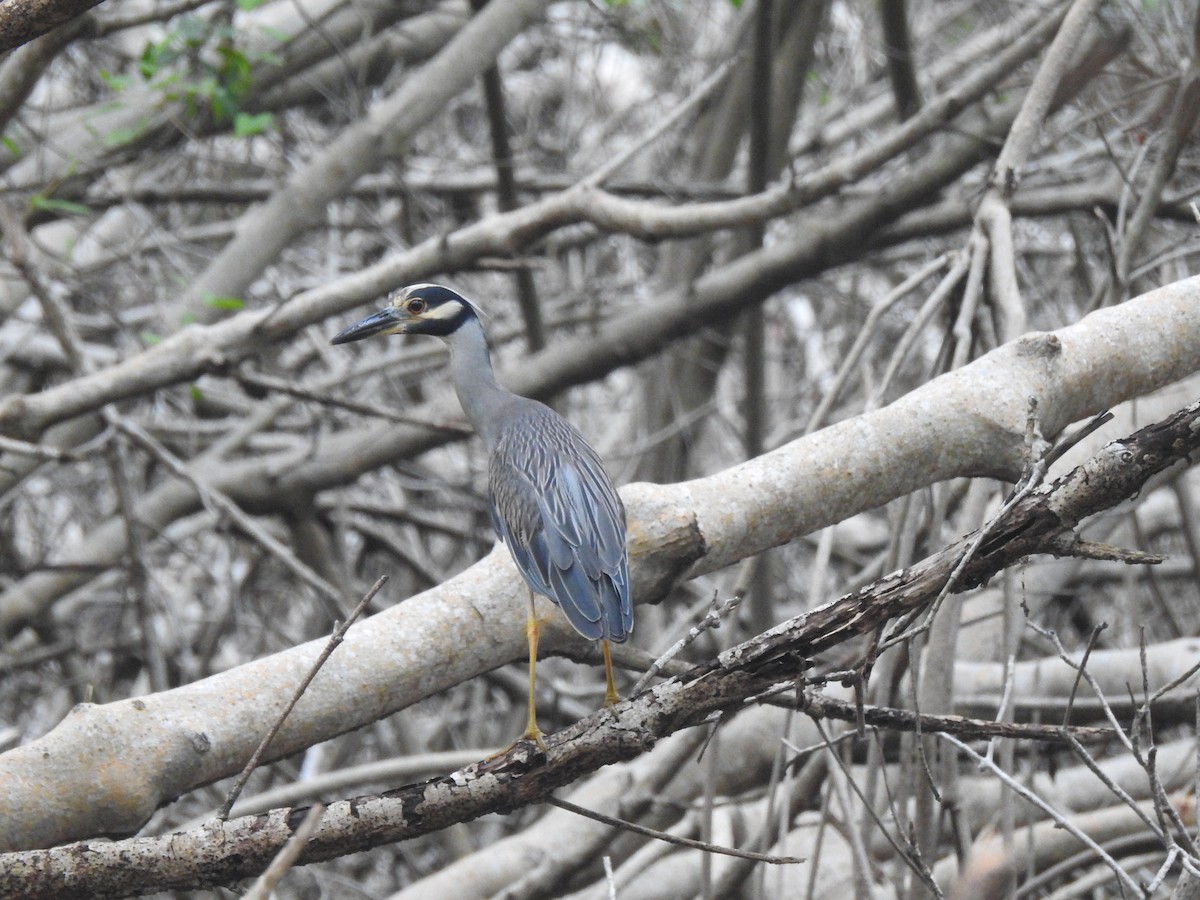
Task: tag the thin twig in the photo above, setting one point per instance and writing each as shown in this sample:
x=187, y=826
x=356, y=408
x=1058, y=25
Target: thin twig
x=670, y=838
x=888, y=718
x=1087, y=652
x=1062, y=821
x=718, y=611
x=1119, y=792
x=601, y=174
x=258, y=380
x=906, y=853
x=1033, y=476
x=1186, y=675
x=867, y=331
x=1118, y=731
x=1068, y=441
x=334, y=639
x=138, y=579
x=220, y=502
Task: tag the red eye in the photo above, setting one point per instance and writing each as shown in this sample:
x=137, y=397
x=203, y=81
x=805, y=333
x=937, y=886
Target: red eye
x=416, y=307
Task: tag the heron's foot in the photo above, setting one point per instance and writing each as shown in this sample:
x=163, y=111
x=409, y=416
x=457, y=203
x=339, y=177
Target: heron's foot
x=535, y=737
x=533, y=733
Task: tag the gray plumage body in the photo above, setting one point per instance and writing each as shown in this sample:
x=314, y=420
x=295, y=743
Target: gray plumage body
x=552, y=505
x=564, y=524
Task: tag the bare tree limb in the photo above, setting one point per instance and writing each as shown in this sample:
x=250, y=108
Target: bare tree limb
x=525, y=773
x=23, y=20
x=197, y=349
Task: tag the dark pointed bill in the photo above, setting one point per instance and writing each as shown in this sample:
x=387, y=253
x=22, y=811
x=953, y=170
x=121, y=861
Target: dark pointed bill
x=372, y=324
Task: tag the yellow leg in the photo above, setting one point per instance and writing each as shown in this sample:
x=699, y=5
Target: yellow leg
x=610, y=683
x=532, y=732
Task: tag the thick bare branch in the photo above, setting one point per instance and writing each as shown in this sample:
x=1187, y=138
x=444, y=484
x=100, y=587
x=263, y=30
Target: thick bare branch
x=23, y=20
x=971, y=421
x=1044, y=522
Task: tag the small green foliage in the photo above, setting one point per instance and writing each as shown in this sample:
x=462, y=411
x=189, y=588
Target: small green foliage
x=63, y=207
x=200, y=63
x=11, y=146
x=225, y=304
x=246, y=125
x=149, y=338
x=119, y=137
x=117, y=82
x=233, y=78
x=197, y=394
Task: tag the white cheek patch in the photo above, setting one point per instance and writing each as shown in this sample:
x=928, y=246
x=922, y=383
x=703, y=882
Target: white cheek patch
x=445, y=311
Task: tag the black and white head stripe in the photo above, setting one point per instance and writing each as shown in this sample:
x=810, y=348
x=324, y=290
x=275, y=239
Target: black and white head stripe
x=438, y=308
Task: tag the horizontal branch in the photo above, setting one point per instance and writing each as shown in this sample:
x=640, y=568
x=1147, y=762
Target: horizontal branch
x=904, y=720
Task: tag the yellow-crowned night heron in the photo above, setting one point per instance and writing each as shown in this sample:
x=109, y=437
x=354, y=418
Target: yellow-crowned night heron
x=552, y=502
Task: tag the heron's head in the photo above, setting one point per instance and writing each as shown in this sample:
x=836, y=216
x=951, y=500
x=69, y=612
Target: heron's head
x=416, y=309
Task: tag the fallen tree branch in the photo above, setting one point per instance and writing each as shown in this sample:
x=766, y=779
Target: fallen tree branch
x=218, y=852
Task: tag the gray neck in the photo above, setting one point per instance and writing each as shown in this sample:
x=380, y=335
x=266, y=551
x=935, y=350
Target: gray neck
x=481, y=396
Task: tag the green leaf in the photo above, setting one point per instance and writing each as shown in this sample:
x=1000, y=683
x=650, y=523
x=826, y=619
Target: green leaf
x=118, y=137
x=50, y=204
x=197, y=394
x=116, y=82
x=11, y=146
x=234, y=76
x=235, y=65
x=247, y=5
x=247, y=125
x=149, y=338
x=231, y=304
x=148, y=62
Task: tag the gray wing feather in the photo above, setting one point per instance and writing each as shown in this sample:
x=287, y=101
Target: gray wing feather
x=555, y=508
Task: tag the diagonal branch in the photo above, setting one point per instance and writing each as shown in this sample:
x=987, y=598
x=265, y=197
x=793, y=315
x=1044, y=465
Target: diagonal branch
x=199, y=349
x=297, y=205
x=23, y=20
x=1043, y=522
